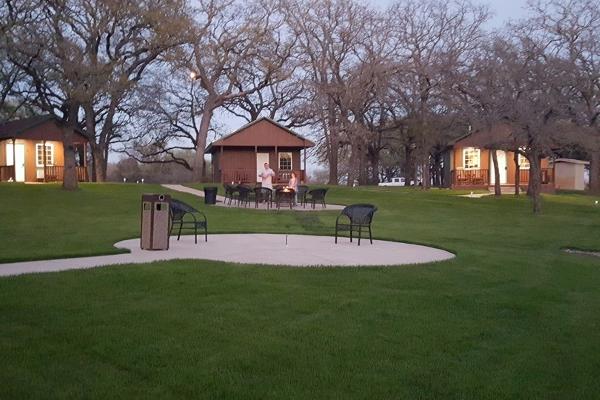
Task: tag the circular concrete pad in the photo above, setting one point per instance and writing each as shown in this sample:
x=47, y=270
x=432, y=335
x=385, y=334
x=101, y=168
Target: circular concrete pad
x=299, y=251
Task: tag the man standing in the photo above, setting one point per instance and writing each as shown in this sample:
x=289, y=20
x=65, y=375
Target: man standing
x=267, y=177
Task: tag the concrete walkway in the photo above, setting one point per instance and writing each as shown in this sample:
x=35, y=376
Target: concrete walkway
x=271, y=249
x=262, y=206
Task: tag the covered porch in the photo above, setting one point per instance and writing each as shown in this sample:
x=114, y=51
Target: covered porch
x=31, y=150
x=478, y=178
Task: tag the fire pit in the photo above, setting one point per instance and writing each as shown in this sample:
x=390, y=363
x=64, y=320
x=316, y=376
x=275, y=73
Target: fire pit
x=285, y=195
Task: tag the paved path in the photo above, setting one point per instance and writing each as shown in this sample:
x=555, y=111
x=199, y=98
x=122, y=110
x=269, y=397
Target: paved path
x=262, y=206
x=271, y=249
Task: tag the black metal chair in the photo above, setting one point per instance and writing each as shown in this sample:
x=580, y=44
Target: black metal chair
x=245, y=195
x=230, y=193
x=263, y=194
x=360, y=216
x=301, y=194
x=316, y=196
x=187, y=217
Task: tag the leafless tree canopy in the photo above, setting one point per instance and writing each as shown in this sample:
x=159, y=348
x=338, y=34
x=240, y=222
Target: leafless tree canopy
x=381, y=91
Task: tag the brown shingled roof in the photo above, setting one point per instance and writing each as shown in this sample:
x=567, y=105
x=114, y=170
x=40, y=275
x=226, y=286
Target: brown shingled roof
x=16, y=128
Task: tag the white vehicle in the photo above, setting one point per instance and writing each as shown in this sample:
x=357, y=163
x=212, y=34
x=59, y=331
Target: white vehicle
x=394, y=182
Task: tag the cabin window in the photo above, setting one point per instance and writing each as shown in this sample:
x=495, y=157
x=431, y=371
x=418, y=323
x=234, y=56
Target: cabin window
x=523, y=162
x=471, y=157
x=39, y=151
x=285, y=161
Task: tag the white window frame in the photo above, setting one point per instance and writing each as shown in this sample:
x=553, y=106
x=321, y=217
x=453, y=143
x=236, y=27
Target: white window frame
x=49, y=154
x=291, y=160
x=523, y=162
x=476, y=151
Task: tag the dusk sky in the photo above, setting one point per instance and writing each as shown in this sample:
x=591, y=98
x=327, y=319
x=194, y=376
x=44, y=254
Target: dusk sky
x=503, y=10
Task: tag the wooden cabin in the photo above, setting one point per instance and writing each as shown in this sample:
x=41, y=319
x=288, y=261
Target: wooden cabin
x=239, y=157
x=31, y=150
x=472, y=167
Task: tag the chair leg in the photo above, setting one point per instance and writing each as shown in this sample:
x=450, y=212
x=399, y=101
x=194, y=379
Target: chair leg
x=205, y=233
x=370, y=236
x=195, y=234
x=180, y=226
x=336, y=232
x=350, y=233
x=359, y=233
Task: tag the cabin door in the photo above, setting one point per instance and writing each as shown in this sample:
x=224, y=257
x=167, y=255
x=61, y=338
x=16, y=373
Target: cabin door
x=261, y=159
x=501, y=168
x=19, y=154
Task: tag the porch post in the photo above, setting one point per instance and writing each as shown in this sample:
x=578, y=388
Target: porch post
x=14, y=160
x=221, y=167
x=305, y=168
x=44, y=152
x=277, y=162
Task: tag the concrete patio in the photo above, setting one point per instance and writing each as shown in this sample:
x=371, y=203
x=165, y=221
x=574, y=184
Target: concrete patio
x=262, y=206
x=269, y=249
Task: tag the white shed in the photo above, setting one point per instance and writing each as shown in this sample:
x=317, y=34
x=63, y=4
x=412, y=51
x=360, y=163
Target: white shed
x=569, y=174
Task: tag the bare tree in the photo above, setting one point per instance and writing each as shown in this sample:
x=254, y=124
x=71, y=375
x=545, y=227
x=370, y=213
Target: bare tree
x=436, y=39
x=573, y=28
x=233, y=47
x=328, y=32
x=40, y=46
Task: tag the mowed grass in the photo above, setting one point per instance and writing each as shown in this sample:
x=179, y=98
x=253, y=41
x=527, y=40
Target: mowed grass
x=511, y=317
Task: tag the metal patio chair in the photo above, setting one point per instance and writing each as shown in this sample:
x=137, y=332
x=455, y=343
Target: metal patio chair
x=359, y=216
x=185, y=216
x=316, y=196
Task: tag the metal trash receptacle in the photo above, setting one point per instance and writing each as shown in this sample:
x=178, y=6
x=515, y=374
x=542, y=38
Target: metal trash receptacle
x=156, y=221
x=210, y=195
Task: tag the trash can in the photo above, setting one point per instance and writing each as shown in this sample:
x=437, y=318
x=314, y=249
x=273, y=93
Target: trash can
x=210, y=195
x=156, y=221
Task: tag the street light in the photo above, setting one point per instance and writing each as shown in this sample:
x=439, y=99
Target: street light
x=193, y=75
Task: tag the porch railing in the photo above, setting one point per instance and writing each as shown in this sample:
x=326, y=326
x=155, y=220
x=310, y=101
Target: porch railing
x=547, y=176
x=470, y=177
x=284, y=176
x=247, y=176
x=235, y=176
x=6, y=172
x=55, y=173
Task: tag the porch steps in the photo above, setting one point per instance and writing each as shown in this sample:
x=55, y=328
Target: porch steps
x=507, y=189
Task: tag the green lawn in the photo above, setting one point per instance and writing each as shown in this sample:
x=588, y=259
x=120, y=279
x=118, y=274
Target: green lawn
x=511, y=317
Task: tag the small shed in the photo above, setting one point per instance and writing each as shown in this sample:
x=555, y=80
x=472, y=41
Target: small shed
x=570, y=173
x=31, y=150
x=239, y=156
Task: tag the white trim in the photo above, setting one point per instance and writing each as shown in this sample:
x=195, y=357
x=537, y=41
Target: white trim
x=291, y=154
x=49, y=154
x=523, y=160
x=478, y=152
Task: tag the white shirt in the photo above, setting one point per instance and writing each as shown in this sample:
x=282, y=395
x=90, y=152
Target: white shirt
x=267, y=178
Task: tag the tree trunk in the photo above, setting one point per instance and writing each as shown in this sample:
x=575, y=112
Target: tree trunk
x=517, y=174
x=92, y=166
x=426, y=172
x=333, y=144
x=362, y=165
x=99, y=163
x=595, y=172
x=69, y=172
x=68, y=131
x=535, y=180
x=497, y=187
x=90, y=132
x=198, y=173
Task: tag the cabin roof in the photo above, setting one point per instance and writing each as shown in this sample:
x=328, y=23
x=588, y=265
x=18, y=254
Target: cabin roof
x=263, y=132
x=27, y=127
